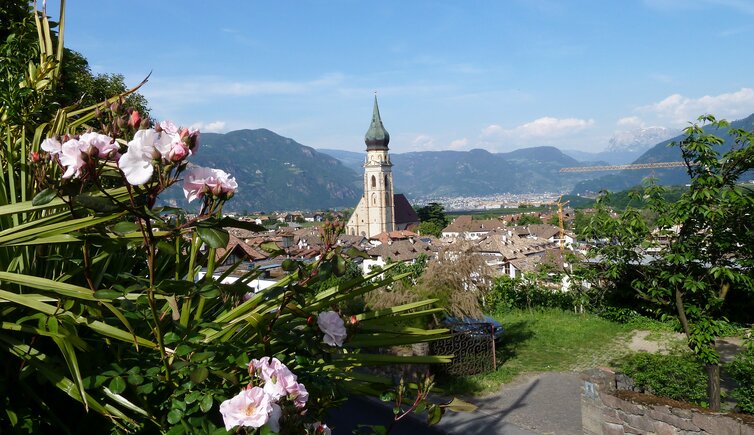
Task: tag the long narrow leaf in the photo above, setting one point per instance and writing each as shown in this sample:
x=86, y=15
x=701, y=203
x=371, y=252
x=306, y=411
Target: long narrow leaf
x=95, y=325
x=69, y=354
x=44, y=284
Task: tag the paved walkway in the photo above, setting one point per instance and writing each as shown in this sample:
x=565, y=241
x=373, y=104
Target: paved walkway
x=548, y=403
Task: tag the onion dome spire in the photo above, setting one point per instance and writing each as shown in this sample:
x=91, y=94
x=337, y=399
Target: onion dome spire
x=377, y=137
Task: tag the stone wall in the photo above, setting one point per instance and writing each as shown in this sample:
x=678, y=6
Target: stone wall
x=609, y=410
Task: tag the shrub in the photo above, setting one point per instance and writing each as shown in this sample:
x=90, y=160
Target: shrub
x=742, y=370
x=507, y=294
x=676, y=376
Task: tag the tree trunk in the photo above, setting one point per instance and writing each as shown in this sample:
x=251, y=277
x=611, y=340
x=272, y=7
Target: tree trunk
x=713, y=386
x=682, y=312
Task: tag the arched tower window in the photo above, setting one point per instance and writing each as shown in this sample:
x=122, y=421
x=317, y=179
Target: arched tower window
x=387, y=184
x=374, y=181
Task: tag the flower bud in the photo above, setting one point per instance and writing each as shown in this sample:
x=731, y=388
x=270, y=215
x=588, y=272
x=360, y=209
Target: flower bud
x=353, y=320
x=310, y=320
x=34, y=157
x=115, y=107
x=178, y=152
x=122, y=123
x=144, y=124
x=134, y=119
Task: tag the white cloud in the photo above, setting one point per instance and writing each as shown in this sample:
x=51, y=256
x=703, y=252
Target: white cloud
x=678, y=109
x=542, y=131
x=630, y=121
x=423, y=142
x=539, y=128
x=211, y=127
x=458, y=144
x=203, y=88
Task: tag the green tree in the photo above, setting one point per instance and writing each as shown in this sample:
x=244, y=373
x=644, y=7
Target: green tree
x=430, y=228
x=78, y=86
x=708, y=253
x=529, y=219
x=433, y=212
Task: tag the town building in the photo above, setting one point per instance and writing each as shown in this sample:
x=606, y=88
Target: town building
x=380, y=209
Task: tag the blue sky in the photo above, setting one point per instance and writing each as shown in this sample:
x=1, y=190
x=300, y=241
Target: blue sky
x=498, y=75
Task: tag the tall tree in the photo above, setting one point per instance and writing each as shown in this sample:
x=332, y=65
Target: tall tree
x=433, y=212
x=708, y=251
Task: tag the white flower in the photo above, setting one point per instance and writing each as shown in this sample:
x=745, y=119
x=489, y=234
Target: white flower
x=251, y=407
x=332, y=325
x=51, y=145
x=136, y=163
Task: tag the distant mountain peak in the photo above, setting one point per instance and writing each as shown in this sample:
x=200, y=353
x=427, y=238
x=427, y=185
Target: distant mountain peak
x=640, y=139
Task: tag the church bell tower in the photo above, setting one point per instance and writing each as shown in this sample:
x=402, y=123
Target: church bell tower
x=376, y=211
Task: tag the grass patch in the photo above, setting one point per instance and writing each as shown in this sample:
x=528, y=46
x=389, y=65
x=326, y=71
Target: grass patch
x=543, y=341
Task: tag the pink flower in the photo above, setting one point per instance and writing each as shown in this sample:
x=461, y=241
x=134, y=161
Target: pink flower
x=200, y=181
x=332, y=325
x=252, y=407
x=71, y=157
x=105, y=145
x=279, y=381
x=299, y=395
x=190, y=136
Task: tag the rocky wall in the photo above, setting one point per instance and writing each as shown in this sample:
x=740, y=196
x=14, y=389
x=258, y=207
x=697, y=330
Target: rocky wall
x=608, y=409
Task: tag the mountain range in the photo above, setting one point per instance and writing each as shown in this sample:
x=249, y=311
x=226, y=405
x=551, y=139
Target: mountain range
x=278, y=173
x=432, y=174
x=661, y=152
x=275, y=173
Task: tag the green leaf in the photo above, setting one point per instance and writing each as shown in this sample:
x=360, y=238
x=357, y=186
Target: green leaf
x=183, y=349
x=459, y=405
x=66, y=348
x=206, y=403
x=170, y=338
x=174, y=416
x=44, y=197
x=135, y=379
x=387, y=396
x=107, y=294
x=434, y=414
x=213, y=237
x=117, y=385
x=192, y=397
x=96, y=203
x=125, y=227
x=199, y=375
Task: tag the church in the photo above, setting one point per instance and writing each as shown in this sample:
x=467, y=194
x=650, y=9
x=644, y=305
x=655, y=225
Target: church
x=379, y=210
